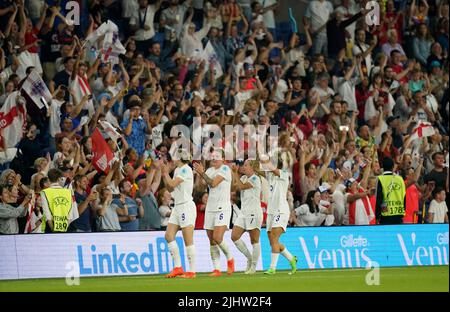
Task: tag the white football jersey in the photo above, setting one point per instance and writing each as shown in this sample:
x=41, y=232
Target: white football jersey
x=279, y=185
x=220, y=196
x=251, y=198
x=183, y=192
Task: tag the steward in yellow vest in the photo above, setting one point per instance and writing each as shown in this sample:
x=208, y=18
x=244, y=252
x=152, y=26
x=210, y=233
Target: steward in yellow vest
x=390, y=198
x=59, y=208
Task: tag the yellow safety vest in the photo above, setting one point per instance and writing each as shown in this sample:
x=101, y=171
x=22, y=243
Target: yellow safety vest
x=394, y=191
x=59, y=202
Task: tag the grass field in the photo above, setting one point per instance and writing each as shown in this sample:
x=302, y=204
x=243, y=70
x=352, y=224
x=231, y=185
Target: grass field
x=391, y=279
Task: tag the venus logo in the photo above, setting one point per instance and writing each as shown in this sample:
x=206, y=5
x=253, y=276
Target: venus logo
x=422, y=255
x=336, y=258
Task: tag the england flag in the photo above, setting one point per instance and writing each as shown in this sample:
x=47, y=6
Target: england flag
x=423, y=130
x=13, y=116
x=36, y=88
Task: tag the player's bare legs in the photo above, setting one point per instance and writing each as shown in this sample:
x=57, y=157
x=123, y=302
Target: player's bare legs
x=188, y=236
x=277, y=248
x=171, y=232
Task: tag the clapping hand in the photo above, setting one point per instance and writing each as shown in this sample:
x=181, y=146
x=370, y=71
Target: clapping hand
x=199, y=168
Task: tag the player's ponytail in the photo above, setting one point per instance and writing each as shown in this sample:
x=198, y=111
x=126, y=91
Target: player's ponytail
x=256, y=167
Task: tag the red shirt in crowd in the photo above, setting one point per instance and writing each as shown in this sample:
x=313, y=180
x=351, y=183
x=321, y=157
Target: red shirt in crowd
x=411, y=203
x=200, y=221
x=31, y=37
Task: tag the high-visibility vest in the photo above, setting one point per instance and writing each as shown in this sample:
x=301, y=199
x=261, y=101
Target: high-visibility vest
x=59, y=202
x=393, y=195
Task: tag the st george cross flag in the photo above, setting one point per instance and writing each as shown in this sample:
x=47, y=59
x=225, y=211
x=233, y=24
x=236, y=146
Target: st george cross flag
x=112, y=47
x=80, y=87
x=36, y=88
x=102, y=152
x=13, y=115
x=210, y=56
x=422, y=130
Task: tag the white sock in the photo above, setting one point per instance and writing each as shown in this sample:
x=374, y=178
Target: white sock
x=215, y=256
x=255, y=254
x=274, y=260
x=223, y=246
x=190, y=251
x=287, y=254
x=175, y=252
x=243, y=248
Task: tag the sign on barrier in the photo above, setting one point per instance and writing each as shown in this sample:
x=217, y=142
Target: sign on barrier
x=133, y=253
x=355, y=247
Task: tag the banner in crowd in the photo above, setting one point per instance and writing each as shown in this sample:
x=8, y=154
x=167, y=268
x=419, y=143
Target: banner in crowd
x=134, y=253
x=211, y=59
x=101, y=254
x=111, y=47
x=102, y=152
x=36, y=88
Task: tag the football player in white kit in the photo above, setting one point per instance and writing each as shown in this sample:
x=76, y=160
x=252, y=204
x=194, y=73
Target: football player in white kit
x=277, y=213
x=183, y=214
x=218, y=209
x=250, y=217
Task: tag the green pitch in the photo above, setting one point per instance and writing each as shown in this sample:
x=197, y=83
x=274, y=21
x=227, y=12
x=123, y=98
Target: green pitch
x=391, y=279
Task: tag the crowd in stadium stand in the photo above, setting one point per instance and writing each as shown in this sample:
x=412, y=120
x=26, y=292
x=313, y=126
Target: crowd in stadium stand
x=347, y=97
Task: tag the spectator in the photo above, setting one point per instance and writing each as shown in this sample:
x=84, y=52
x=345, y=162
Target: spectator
x=165, y=207
x=318, y=12
x=147, y=190
x=422, y=44
x=438, y=211
x=8, y=213
x=312, y=213
x=438, y=175
x=191, y=42
x=174, y=15
x=411, y=177
x=360, y=208
x=392, y=44
x=201, y=206
x=85, y=203
x=141, y=22
x=136, y=127
x=129, y=221
x=108, y=213
x=336, y=31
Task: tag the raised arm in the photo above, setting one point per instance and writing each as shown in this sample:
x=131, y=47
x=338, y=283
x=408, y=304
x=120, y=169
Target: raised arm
x=41, y=21
x=170, y=183
x=10, y=21
x=237, y=183
x=327, y=162
x=377, y=130
x=211, y=182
